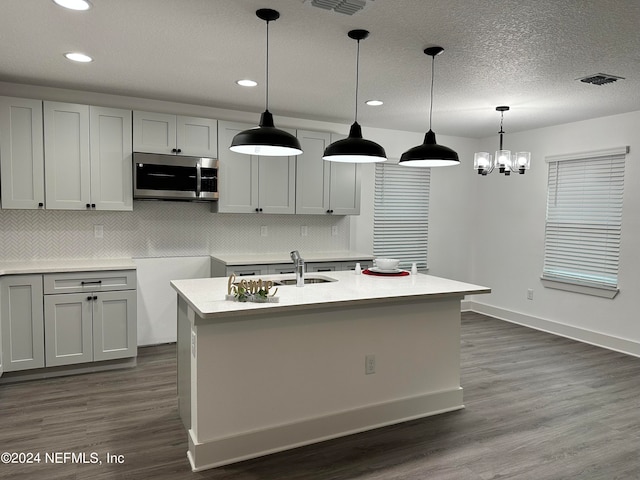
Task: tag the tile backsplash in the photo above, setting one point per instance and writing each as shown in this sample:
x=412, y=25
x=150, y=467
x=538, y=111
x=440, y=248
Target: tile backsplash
x=162, y=229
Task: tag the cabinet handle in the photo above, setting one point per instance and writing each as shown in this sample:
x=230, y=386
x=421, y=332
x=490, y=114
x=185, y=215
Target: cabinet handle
x=258, y=209
x=173, y=150
x=89, y=298
x=88, y=205
x=40, y=205
x=329, y=211
x=95, y=297
x=179, y=150
x=93, y=282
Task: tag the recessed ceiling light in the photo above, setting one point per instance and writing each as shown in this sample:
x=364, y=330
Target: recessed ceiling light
x=374, y=103
x=74, y=4
x=246, y=83
x=78, y=57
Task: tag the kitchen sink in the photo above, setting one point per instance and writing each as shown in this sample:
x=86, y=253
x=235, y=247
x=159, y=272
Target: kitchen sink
x=292, y=281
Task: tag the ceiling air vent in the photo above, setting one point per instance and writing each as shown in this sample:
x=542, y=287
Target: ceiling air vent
x=600, y=79
x=348, y=7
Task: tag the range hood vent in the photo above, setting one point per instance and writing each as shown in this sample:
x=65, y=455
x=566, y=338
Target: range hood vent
x=600, y=79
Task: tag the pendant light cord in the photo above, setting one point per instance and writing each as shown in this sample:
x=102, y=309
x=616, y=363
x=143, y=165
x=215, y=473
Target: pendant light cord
x=433, y=62
x=357, y=78
x=267, y=75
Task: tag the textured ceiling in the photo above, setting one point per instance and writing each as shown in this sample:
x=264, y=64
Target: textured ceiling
x=523, y=53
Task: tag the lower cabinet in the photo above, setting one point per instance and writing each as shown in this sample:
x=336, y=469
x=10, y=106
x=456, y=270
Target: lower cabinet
x=88, y=327
x=94, y=321
x=220, y=269
x=55, y=319
x=21, y=321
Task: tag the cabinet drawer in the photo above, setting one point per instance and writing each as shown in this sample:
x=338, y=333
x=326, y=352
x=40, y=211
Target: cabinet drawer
x=247, y=270
x=323, y=266
x=100, y=281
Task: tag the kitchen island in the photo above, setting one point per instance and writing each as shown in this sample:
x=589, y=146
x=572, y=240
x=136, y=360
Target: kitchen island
x=329, y=359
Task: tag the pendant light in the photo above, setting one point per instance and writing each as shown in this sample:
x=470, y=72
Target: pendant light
x=504, y=160
x=430, y=154
x=354, y=148
x=266, y=139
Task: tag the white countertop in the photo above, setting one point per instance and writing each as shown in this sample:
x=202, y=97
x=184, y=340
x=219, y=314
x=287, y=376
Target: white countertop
x=65, y=265
x=206, y=296
x=284, y=257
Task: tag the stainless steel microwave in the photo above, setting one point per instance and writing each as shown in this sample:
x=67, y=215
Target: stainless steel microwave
x=174, y=177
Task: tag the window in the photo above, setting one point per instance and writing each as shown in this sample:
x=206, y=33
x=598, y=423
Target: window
x=584, y=221
x=401, y=208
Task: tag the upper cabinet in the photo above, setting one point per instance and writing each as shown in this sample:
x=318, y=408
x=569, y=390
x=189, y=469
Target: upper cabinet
x=174, y=134
x=325, y=187
x=88, y=157
x=253, y=184
x=21, y=153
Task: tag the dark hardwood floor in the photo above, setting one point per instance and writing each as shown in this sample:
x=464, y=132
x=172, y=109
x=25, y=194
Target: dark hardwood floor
x=537, y=407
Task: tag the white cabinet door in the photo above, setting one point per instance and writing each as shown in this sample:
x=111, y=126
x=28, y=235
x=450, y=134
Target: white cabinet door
x=21, y=321
x=325, y=187
x=68, y=328
x=237, y=174
x=312, y=191
x=111, y=159
x=154, y=132
x=114, y=325
x=344, y=188
x=175, y=134
x=276, y=184
x=66, y=147
x=197, y=137
x=21, y=153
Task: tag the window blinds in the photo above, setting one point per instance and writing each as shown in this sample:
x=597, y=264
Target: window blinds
x=584, y=218
x=401, y=208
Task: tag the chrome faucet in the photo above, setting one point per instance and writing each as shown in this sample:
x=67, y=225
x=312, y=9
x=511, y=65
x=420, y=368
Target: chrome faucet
x=299, y=264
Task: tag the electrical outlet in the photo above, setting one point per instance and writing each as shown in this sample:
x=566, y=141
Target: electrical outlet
x=530, y=294
x=98, y=231
x=304, y=231
x=369, y=364
x=334, y=230
x=263, y=231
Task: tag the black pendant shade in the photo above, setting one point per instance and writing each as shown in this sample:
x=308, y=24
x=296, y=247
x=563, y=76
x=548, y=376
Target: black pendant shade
x=354, y=148
x=266, y=139
x=430, y=154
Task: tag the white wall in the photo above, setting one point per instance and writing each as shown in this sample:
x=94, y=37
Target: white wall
x=508, y=238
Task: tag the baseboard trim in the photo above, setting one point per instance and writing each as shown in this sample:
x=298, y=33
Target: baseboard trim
x=223, y=451
x=617, y=344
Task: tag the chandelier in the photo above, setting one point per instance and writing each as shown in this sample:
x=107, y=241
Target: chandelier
x=504, y=160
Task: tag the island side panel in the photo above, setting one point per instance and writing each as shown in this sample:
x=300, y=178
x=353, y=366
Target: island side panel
x=184, y=363
x=276, y=381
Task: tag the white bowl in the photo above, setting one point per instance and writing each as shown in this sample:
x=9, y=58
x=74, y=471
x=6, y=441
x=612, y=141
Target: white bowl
x=387, y=263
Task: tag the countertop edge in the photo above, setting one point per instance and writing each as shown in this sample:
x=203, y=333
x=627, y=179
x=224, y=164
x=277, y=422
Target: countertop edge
x=65, y=266
x=275, y=308
x=234, y=259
